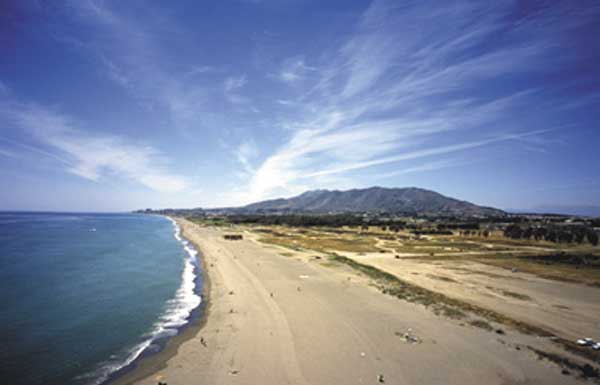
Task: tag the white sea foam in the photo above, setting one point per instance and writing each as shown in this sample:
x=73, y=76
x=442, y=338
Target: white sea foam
x=177, y=313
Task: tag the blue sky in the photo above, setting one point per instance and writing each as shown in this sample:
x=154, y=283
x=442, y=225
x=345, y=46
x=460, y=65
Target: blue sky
x=118, y=105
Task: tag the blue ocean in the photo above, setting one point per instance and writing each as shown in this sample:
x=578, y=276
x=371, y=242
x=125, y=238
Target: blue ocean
x=86, y=295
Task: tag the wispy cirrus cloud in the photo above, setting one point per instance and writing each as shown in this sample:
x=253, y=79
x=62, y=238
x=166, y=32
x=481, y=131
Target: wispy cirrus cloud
x=408, y=85
x=294, y=69
x=91, y=156
x=427, y=166
x=231, y=88
x=134, y=55
x=7, y=153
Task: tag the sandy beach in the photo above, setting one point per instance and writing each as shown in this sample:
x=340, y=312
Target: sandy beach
x=281, y=318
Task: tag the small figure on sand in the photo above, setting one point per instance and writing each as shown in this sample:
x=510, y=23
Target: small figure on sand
x=203, y=342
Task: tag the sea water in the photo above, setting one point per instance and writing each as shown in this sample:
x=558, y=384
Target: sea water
x=85, y=295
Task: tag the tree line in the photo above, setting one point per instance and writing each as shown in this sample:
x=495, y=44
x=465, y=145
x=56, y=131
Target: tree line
x=558, y=234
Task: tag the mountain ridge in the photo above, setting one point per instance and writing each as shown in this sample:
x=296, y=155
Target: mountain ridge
x=407, y=200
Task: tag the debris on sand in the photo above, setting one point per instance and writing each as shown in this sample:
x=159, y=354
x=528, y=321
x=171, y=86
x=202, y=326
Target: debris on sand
x=588, y=342
x=585, y=342
x=408, y=337
x=233, y=372
x=203, y=342
x=380, y=378
x=231, y=292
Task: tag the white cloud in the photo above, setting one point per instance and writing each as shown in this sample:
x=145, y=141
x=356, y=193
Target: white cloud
x=245, y=153
x=294, y=69
x=7, y=153
x=424, y=167
x=232, y=83
x=91, y=156
x=231, y=87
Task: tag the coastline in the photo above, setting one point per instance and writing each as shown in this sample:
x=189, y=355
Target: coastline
x=278, y=316
x=145, y=366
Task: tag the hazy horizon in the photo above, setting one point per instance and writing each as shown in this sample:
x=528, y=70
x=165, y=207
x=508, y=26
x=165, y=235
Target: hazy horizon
x=110, y=106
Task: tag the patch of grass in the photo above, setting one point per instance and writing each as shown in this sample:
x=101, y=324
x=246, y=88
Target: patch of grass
x=450, y=312
x=442, y=278
x=321, y=243
x=441, y=304
x=479, y=272
x=519, y=296
x=209, y=221
x=286, y=254
x=557, y=272
x=482, y=325
x=586, y=371
x=392, y=285
x=281, y=242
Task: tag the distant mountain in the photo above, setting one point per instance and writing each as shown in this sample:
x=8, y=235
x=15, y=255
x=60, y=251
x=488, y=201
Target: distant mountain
x=375, y=199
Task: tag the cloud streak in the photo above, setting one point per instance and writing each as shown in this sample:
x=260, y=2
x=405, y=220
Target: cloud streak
x=135, y=58
x=407, y=85
x=90, y=156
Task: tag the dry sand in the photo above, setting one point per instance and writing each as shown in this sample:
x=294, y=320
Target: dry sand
x=281, y=319
x=568, y=310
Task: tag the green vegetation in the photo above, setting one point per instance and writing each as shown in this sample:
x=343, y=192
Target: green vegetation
x=555, y=271
x=440, y=303
x=553, y=233
x=441, y=278
x=209, y=221
x=519, y=296
x=454, y=308
x=586, y=371
x=482, y=325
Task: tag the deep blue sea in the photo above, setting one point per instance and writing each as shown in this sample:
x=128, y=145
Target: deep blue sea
x=84, y=295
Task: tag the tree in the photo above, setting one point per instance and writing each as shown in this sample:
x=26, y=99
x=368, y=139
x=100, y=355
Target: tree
x=579, y=234
x=513, y=231
x=565, y=236
x=592, y=237
x=540, y=233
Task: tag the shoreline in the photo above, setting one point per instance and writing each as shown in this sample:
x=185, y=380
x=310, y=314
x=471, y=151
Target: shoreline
x=260, y=328
x=146, y=366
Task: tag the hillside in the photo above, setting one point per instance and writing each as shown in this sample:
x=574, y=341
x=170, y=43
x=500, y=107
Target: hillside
x=375, y=199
